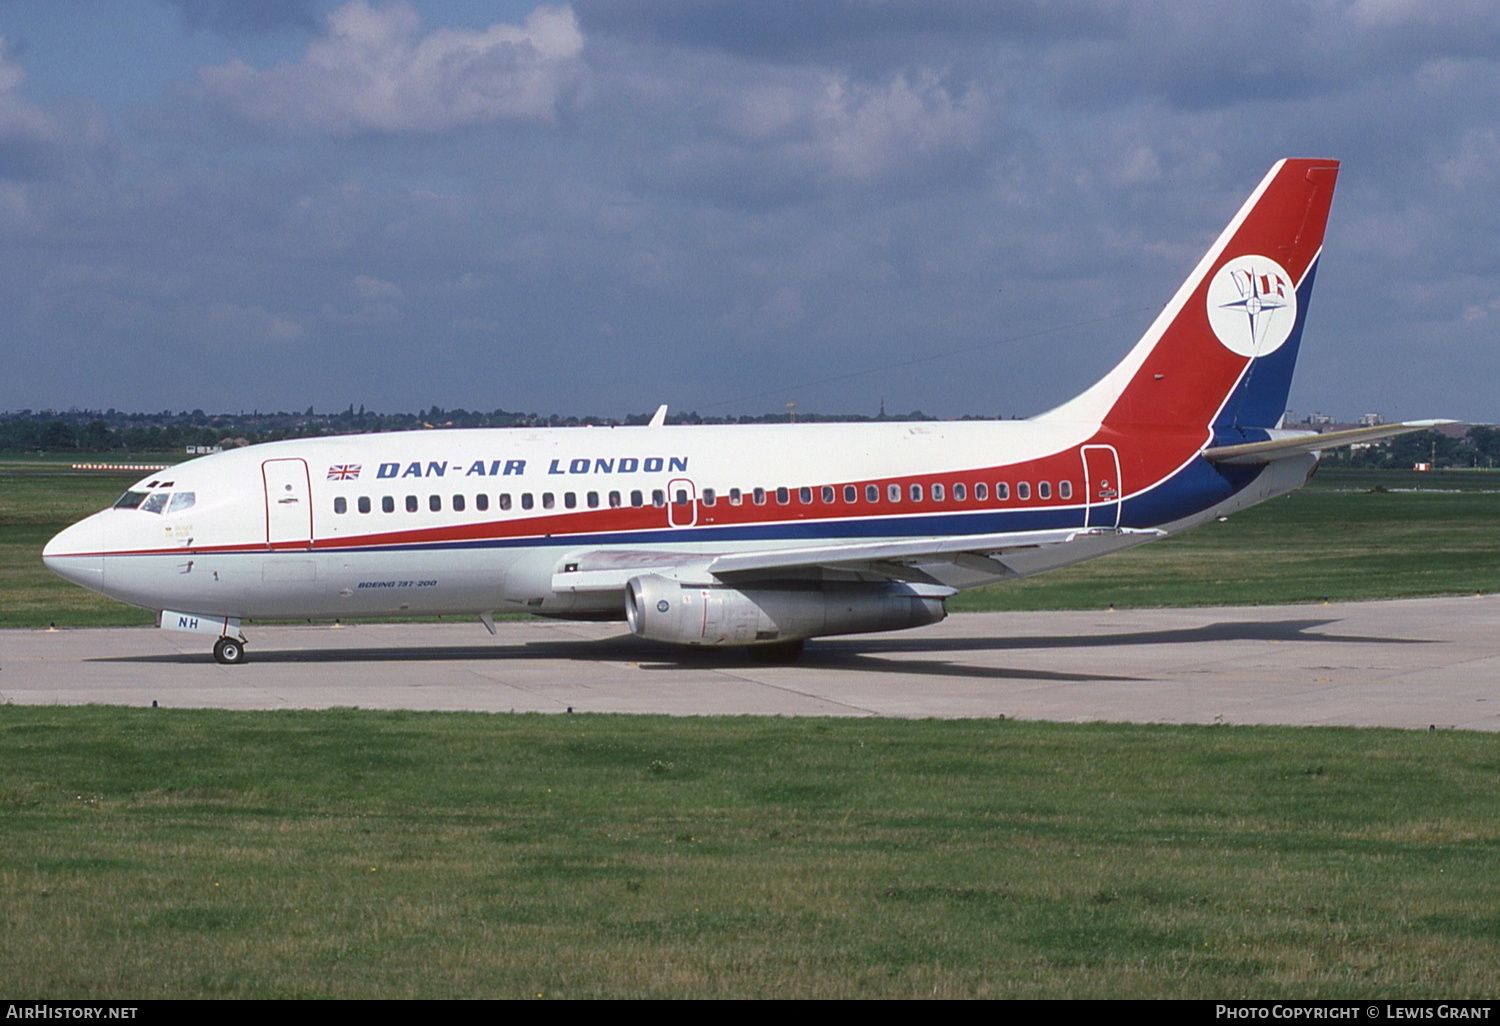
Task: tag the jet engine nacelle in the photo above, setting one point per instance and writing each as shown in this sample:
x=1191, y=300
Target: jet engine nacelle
x=684, y=614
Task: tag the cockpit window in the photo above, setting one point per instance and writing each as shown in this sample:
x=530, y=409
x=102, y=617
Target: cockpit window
x=155, y=503
x=130, y=500
x=181, y=501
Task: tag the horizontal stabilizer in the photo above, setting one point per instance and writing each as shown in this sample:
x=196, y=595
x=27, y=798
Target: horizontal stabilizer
x=1300, y=443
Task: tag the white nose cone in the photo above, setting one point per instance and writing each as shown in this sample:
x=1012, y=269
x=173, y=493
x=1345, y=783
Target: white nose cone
x=77, y=553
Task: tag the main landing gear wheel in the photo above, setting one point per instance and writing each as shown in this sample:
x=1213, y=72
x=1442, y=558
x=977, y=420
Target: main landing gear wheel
x=229, y=651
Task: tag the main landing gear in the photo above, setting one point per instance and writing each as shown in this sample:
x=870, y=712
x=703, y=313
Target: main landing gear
x=229, y=651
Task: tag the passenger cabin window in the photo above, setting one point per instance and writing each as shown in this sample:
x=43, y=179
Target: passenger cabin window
x=364, y=504
x=614, y=500
x=340, y=505
x=938, y=492
x=758, y=496
x=1065, y=489
x=783, y=496
x=709, y=497
x=388, y=504
x=593, y=500
x=527, y=501
x=481, y=502
x=851, y=494
x=435, y=503
x=872, y=493
x=915, y=491
x=828, y=493
x=570, y=500
x=960, y=493
x=1002, y=491
x=893, y=492
x=1023, y=491
x=637, y=499
x=1044, y=490
x=548, y=500
x=458, y=504
x=681, y=498
x=411, y=504
x=736, y=497
x=981, y=491
x=658, y=498
x=503, y=501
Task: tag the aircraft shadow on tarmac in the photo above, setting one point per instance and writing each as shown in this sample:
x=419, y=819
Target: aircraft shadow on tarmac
x=854, y=654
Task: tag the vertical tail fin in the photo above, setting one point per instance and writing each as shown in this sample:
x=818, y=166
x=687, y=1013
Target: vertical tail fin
x=1220, y=355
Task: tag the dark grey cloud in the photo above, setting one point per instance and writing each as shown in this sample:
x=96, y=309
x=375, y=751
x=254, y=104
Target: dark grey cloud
x=247, y=17
x=1207, y=56
x=822, y=30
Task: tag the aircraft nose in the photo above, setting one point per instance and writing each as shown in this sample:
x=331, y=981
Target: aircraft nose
x=77, y=553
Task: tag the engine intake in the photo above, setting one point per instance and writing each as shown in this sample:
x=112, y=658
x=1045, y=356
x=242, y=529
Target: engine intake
x=665, y=610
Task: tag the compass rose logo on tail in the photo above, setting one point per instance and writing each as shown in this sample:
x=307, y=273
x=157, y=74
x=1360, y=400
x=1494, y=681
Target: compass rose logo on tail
x=1252, y=306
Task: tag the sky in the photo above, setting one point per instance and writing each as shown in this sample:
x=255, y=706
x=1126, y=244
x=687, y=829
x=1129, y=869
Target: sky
x=953, y=206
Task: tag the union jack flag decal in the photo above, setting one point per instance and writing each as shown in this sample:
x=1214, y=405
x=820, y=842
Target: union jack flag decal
x=343, y=472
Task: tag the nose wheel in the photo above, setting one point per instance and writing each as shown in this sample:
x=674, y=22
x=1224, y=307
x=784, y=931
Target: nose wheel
x=229, y=651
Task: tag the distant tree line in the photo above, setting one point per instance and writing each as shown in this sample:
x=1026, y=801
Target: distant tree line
x=112, y=430
x=1479, y=447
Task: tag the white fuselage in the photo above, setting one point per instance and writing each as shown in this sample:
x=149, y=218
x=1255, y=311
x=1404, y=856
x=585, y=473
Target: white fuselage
x=472, y=521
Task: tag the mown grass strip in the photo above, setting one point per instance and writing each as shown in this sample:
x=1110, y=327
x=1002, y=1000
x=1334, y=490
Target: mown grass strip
x=156, y=853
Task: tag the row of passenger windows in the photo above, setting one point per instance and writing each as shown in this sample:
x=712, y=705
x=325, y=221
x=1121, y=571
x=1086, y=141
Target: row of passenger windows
x=681, y=497
x=503, y=501
x=914, y=492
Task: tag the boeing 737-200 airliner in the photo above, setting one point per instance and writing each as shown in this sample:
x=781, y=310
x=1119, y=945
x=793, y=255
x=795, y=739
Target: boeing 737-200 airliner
x=757, y=536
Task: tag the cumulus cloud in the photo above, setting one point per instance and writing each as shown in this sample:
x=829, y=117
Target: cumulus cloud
x=782, y=132
x=866, y=130
x=374, y=70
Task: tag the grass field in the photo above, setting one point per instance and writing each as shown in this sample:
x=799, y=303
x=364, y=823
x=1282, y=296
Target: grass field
x=1348, y=535
x=156, y=853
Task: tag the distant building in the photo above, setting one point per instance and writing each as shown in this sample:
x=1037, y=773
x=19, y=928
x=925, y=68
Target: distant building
x=204, y=450
x=1371, y=420
x=1319, y=419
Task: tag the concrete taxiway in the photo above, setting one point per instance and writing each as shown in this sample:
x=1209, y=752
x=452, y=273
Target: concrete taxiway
x=1414, y=664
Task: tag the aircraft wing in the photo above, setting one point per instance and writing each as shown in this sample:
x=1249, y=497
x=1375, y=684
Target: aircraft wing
x=948, y=561
x=1305, y=442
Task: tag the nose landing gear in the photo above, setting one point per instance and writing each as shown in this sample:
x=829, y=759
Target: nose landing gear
x=229, y=646
x=229, y=651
